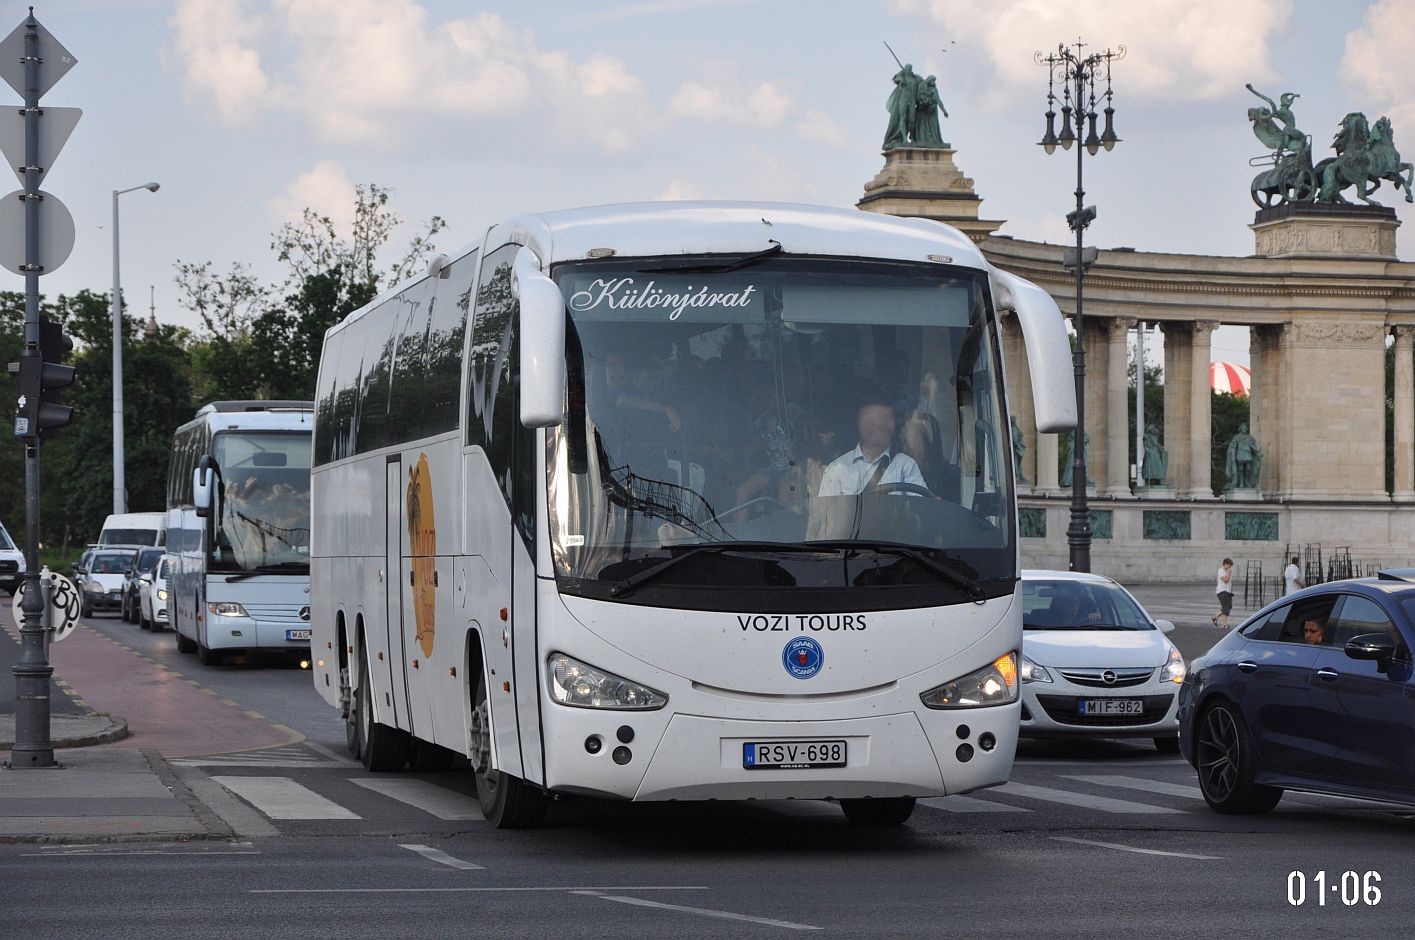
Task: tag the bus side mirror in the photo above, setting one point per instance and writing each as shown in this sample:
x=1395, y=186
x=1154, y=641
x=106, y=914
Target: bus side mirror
x=542, y=339
x=203, y=482
x=1048, y=350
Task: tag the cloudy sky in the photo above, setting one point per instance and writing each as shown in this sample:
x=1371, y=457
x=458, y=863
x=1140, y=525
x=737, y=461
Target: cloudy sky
x=248, y=110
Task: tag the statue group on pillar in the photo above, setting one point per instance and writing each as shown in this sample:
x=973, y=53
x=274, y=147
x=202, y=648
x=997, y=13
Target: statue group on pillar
x=913, y=108
x=1365, y=156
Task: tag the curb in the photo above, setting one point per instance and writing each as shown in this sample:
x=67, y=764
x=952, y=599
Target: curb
x=117, y=730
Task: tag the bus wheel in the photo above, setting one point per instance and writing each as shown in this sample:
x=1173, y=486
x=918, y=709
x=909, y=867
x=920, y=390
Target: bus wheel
x=185, y=645
x=351, y=715
x=891, y=811
x=381, y=748
x=507, y=802
x=208, y=656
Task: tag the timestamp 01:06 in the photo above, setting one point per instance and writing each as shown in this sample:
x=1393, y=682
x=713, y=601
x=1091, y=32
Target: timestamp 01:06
x=1349, y=887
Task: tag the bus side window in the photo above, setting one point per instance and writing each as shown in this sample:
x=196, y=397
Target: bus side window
x=491, y=418
x=324, y=399
x=408, y=405
x=444, y=352
x=374, y=430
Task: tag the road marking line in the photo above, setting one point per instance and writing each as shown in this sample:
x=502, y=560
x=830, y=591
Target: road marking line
x=283, y=798
x=1140, y=783
x=321, y=749
x=471, y=890
x=1132, y=848
x=250, y=714
x=248, y=762
x=706, y=912
x=442, y=858
x=1105, y=804
x=969, y=804
x=419, y=794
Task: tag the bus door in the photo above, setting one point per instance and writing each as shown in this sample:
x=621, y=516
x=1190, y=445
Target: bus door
x=397, y=574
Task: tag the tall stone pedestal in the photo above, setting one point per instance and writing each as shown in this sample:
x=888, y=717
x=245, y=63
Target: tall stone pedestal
x=925, y=183
x=1325, y=230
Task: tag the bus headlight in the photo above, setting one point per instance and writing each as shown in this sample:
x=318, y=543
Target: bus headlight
x=227, y=609
x=1031, y=672
x=994, y=684
x=162, y=594
x=583, y=686
x=1173, y=671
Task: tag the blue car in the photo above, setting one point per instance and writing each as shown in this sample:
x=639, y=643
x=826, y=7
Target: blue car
x=1312, y=693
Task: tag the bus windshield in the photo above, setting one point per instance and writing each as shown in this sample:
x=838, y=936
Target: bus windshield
x=263, y=517
x=839, y=421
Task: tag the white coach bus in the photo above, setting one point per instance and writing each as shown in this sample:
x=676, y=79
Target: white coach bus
x=681, y=501
x=238, y=529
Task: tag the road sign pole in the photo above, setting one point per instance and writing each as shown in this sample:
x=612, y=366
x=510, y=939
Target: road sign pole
x=32, y=747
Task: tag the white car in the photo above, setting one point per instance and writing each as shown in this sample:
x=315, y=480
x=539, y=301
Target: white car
x=152, y=597
x=12, y=562
x=101, y=579
x=1095, y=663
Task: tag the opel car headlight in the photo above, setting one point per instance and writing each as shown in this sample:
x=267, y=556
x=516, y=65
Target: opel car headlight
x=1173, y=670
x=162, y=594
x=1031, y=672
x=994, y=684
x=227, y=609
x=583, y=686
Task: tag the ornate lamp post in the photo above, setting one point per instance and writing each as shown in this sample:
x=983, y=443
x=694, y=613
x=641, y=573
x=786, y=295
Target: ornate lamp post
x=1080, y=77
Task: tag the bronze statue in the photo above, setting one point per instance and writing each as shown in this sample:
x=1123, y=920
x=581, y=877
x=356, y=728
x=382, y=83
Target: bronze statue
x=1245, y=461
x=1156, y=460
x=1292, y=177
x=1019, y=450
x=1068, y=472
x=913, y=108
x=926, y=129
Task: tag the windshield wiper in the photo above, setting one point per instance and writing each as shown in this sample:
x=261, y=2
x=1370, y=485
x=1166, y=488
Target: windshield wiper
x=718, y=267
x=967, y=584
x=710, y=548
x=284, y=567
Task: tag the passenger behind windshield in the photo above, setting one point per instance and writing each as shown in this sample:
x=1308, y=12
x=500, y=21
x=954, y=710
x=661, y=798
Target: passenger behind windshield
x=1074, y=605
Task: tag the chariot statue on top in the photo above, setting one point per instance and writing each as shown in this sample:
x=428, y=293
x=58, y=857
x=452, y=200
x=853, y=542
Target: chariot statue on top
x=1290, y=176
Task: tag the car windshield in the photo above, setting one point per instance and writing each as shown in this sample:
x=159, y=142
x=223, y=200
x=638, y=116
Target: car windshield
x=1080, y=605
x=6, y=544
x=841, y=407
x=110, y=564
x=147, y=561
x=128, y=536
x=264, y=505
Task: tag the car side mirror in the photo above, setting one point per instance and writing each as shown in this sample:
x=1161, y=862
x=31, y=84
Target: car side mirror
x=1166, y=626
x=542, y=342
x=1378, y=647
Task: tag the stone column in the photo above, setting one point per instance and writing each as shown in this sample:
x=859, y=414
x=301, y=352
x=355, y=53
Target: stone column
x=1048, y=455
x=1097, y=399
x=1117, y=429
x=1176, y=404
x=1404, y=416
x=1200, y=411
x=1265, y=419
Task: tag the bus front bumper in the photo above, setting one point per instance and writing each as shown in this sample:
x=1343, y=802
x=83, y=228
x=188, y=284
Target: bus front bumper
x=701, y=758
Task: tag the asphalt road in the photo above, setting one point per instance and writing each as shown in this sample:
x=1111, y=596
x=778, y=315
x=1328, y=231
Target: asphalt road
x=1104, y=838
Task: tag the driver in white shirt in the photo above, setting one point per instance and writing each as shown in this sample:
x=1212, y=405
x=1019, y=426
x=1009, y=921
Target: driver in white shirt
x=871, y=463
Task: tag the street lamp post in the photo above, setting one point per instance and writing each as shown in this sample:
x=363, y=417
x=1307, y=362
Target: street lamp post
x=1080, y=77
x=120, y=491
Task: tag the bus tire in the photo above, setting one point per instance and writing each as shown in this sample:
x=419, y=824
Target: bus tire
x=507, y=802
x=208, y=656
x=888, y=811
x=185, y=645
x=351, y=716
x=381, y=748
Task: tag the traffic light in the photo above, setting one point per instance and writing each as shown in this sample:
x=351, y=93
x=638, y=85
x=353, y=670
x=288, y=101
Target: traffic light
x=42, y=376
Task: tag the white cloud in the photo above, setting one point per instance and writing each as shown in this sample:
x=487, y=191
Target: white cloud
x=1186, y=49
x=214, y=42
x=1375, y=62
x=326, y=189
x=765, y=105
x=367, y=71
x=678, y=189
x=817, y=125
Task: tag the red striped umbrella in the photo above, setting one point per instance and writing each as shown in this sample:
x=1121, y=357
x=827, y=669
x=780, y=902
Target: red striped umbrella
x=1230, y=377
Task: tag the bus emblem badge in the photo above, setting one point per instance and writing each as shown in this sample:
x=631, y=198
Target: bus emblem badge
x=803, y=657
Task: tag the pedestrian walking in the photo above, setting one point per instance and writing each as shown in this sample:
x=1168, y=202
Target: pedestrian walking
x=1224, y=589
x=1292, y=577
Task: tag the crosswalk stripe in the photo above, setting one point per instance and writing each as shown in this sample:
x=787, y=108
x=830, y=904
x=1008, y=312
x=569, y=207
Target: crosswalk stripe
x=283, y=798
x=1104, y=804
x=249, y=762
x=1139, y=783
x=968, y=804
x=419, y=794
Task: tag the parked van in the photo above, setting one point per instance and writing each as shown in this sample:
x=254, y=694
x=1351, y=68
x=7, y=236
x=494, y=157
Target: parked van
x=12, y=562
x=133, y=528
